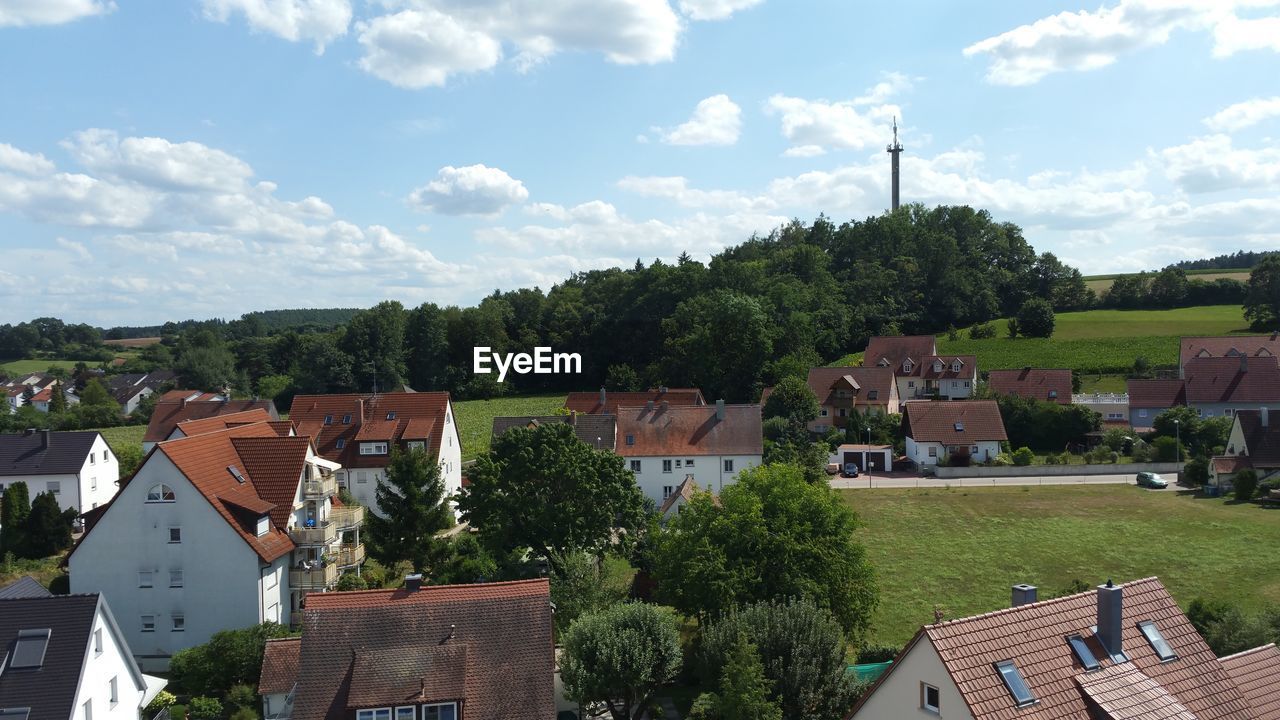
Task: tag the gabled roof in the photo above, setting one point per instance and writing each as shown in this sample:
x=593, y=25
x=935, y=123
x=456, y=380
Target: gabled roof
x=50, y=689
x=169, y=412
x=1050, y=385
x=680, y=431
x=1228, y=346
x=968, y=367
x=957, y=422
x=390, y=417
x=874, y=385
x=490, y=646
x=1232, y=380
x=684, y=491
x=1256, y=673
x=274, y=465
x=891, y=350
x=1157, y=393
x=594, y=430
x=223, y=421
x=608, y=401
x=27, y=453
x=1263, y=443
x=280, y=660
x=24, y=587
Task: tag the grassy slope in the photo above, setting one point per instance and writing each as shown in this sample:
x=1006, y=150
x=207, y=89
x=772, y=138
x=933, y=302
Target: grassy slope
x=963, y=549
x=1099, y=283
x=475, y=417
x=15, y=367
x=125, y=435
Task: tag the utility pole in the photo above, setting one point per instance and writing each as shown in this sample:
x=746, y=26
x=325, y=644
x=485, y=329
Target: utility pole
x=895, y=150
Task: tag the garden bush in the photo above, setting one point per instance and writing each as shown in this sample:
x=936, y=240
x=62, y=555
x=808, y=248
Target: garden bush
x=205, y=708
x=1023, y=456
x=1245, y=483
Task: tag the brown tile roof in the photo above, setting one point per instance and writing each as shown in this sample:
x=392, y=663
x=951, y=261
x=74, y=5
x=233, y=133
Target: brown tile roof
x=188, y=395
x=1228, y=464
x=890, y=351
x=1257, y=673
x=1157, y=393
x=1232, y=380
x=1228, y=346
x=865, y=382
x=1052, y=385
x=689, y=430
x=957, y=422
x=589, y=402
x=968, y=367
x=168, y=413
x=1123, y=692
x=487, y=646
x=280, y=665
x=224, y=421
x=393, y=417
x=687, y=488
x=1263, y=443
x=274, y=464
x=595, y=430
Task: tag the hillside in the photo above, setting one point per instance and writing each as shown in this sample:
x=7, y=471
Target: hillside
x=1101, y=283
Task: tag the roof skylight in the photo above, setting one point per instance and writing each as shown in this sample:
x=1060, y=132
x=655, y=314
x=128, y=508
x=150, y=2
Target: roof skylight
x=1014, y=681
x=1083, y=653
x=235, y=473
x=1158, y=643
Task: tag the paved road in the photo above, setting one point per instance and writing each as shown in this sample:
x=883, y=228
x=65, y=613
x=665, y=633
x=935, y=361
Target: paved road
x=881, y=482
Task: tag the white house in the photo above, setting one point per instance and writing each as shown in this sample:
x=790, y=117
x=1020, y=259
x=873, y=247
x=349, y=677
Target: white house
x=215, y=532
x=78, y=467
x=921, y=373
x=1254, y=443
x=665, y=444
x=969, y=429
x=66, y=657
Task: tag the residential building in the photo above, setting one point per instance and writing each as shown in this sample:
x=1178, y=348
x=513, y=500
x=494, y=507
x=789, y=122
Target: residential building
x=1254, y=673
x=594, y=430
x=66, y=657
x=1150, y=397
x=43, y=400
x=1212, y=386
x=965, y=431
x=78, y=467
x=129, y=389
x=868, y=458
x=1227, y=346
x=664, y=443
x=844, y=391
x=217, y=531
x=922, y=373
x=358, y=431
x=178, y=406
x=676, y=501
x=1120, y=651
x=422, y=652
x=24, y=388
x=1047, y=384
x=607, y=403
x=1113, y=407
x=1254, y=443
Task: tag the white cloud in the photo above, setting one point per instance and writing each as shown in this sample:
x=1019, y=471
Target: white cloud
x=416, y=49
x=11, y=158
x=1210, y=164
x=158, y=162
x=75, y=248
x=716, y=120
x=815, y=126
x=1088, y=40
x=21, y=13
x=470, y=190
x=714, y=9
x=1244, y=114
x=320, y=21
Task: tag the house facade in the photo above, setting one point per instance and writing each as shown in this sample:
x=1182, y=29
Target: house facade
x=1254, y=443
x=920, y=372
x=945, y=431
x=1113, y=407
x=844, y=392
x=1047, y=384
x=1212, y=386
x=78, y=467
x=664, y=445
x=1226, y=346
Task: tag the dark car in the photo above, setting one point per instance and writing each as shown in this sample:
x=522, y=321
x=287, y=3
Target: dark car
x=851, y=470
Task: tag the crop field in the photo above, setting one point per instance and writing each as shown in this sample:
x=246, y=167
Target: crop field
x=475, y=417
x=123, y=436
x=1099, y=283
x=961, y=550
x=17, y=367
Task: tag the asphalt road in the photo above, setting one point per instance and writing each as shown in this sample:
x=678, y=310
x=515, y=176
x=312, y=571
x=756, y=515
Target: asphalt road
x=882, y=482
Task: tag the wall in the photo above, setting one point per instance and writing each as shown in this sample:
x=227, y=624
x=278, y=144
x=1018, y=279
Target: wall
x=1056, y=470
x=67, y=495
x=707, y=471
x=95, y=679
x=1208, y=410
x=898, y=695
x=98, y=477
x=919, y=452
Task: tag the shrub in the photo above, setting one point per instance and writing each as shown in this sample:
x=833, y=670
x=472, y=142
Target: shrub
x=242, y=696
x=1023, y=456
x=1113, y=457
x=205, y=708
x=705, y=707
x=245, y=713
x=982, y=331
x=1165, y=449
x=1002, y=460
x=1196, y=471
x=877, y=653
x=1245, y=483
x=1035, y=318
x=60, y=585
x=1051, y=459
x=351, y=581
x=952, y=333
x=1013, y=327
x=162, y=700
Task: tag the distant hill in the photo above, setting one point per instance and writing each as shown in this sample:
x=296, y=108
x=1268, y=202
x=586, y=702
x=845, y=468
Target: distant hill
x=1241, y=259
x=271, y=321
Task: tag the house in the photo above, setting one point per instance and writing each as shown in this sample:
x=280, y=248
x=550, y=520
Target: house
x=178, y=406
x=358, y=431
x=676, y=501
x=1113, y=407
x=78, y=467
x=421, y=652
x=24, y=587
x=65, y=657
x=1150, y=397
x=594, y=430
x=41, y=401
x=24, y=388
x=1120, y=652
x=920, y=372
x=1050, y=385
x=662, y=443
x=129, y=389
x=1213, y=386
x=216, y=531
x=968, y=430
x=1254, y=673
x=868, y=458
x=1254, y=443
x=1233, y=346
x=607, y=403
x=843, y=391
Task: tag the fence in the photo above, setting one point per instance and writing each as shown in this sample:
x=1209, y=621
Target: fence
x=1008, y=471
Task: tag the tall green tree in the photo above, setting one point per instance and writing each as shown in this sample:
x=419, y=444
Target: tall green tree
x=583, y=583
x=546, y=490
x=375, y=341
x=47, y=530
x=620, y=656
x=426, y=339
x=1035, y=318
x=15, y=508
x=702, y=327
x=744, y=689
x=57, y=399
x=206, y=367
x=792, y=400
x=95, y=395
x=1262, y=298
x=230, y=658
x=414, y=512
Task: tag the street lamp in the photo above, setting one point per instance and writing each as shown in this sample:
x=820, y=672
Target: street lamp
x=865, y=454
x=1177, y=438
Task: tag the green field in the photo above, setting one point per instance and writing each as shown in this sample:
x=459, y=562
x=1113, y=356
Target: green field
x=962, y=549
x=475, y=417
x=1115, y=383
x=18, y=367
x=1099, y=283
x=123, y=436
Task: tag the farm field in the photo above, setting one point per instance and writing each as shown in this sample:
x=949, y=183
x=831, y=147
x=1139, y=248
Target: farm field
x=123, y=436
x=17, y=367
x=1099, y=283
x=475, y=417
x=962, y=549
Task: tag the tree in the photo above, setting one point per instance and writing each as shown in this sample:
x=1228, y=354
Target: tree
x=700, y=328
x=230, y=658
x=15, y=508
x=1169, y=288
x=1035, y=318
x=744, y=690
x=426, y=339
x=57, y=400
x=802, y=651
x=622, y=378
x=792, y=400
x=1023, y=456
x=1262, y=297
x=210, y=368
x=546, y=490
x=375, y=341
x=414, y=512
x=620, y=656
x=774, y=535
x=1245, y=483
x=47, y=530
x=1167, y=449
x=272, y=386
x=582, y=583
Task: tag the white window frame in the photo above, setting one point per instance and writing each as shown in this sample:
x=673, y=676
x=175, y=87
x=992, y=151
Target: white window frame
x=93, y=482
x=933, y=451
x=113, y=688
x=179, y=622
x=728, y=466
x=453, y=706
x=924, y=698
x=176, y=578
x=635, y=466
x=688, y=463
x=158, y=490
x=411, y=715
x=148, y=620
x=362, y=477
x=373, y=448
x=666, y=466
x=1142, y=412
x=415, y=445
x=171, y=535
x=666, y=491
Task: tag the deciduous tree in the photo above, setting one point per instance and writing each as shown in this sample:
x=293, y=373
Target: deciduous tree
x=620, y=656
x=1262, y=298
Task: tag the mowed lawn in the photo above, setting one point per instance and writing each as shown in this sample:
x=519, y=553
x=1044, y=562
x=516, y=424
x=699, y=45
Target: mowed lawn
x=961, y=550
x=18, y=367
x=475, y=417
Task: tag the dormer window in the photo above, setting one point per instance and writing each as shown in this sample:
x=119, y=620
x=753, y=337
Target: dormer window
x=264, y=525
x=883, y=363
x=328, y=419
x=346, y=419
x=391, y=415
x=907, y=365
x=373, y=448
x=956, y=365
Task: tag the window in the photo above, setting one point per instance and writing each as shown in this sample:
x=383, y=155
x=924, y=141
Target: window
x=1229, y=412
x=688, y=463
x=235, y=473
x=175, y=578
x=328, y=419
x=728, y=466
x=1158, y=643
x=666, y=466
x=959, y=427
x=955, y=383
x=97, y=641
x=1115, y=416
x=873, y=394
x=1083, y=653
x=635, y=466
x=966, y=383
x=106, y=455
x=631, y=439
x=375, y=714
x=391, y=415
x=929, y=699
x=937, y=367
x=415, y=445
x=973, y=449
x=113, y=687
x=844, y=412
x=911, y=383
x=93, y=483
x=341, y=443
x=179, y=623
x=145, y=578
x=955, y=366
x=1142, y=412
x=679, y=463
x=373, y=448
x=160, y=493
x=1015, y=683
x=175, y=535
x=823, y=412
x=346, y=419
x=362, y=477
x=441, y=711
x=933, y=452
x=54, y=486
x=264, y=525
x=666, y=491
x=93, y=458
x=148, y=623
x=405, y=712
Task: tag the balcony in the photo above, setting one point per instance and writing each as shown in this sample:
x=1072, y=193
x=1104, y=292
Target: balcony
x=321, y=487
x=841, y=402
x=347, y=517
x=324, y=533
x=316, y=579
x=350, y=555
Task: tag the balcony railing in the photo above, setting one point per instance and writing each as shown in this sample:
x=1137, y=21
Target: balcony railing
x=315, y=579
x=347, y=516
x=841, y=402
x=321, y=534
x=321, y=487
x=349, y=555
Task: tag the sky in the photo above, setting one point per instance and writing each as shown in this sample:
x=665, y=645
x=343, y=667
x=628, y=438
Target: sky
x=172, y=159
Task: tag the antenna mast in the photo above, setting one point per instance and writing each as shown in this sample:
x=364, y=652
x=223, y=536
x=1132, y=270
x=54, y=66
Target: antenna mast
x=894, y=151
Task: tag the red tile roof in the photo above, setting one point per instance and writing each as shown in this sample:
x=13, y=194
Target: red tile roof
x=1228, y=346
x=274, y=464
x=168, y=413
x=589, y=402
x=1157, y=393
x=280, y=660
x=968, y=367
x=686, y=490
x=1052, y=385
x=417, y=416
x=1263, y=443
x=956, y=422
x=890, y=351
x=223, y=421
x=864, y=382
x=1256, y=672
x=1232, y=380
x=1228, y=464
x=689, y=430
x=1123, y=692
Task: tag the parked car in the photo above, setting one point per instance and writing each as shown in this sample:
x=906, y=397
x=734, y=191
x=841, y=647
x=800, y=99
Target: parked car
x=833, y=468
x=1152, y=480
x=851, y=470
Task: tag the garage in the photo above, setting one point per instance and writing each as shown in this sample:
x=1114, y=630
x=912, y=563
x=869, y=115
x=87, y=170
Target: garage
x=868, y=458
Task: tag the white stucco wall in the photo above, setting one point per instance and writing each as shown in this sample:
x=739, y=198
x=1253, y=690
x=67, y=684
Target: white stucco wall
x=707, y=471
x=363, y=482
x=100, y=667
x=898, y=695
x=98, y=476
x=919, y=451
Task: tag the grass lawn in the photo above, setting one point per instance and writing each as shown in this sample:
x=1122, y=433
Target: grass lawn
x=475, y=417
x=962, y=549
x=123, y=436
x=1115, y=383
x=18, y=367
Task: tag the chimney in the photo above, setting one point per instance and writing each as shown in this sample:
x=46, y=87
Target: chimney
x=1264, y=415
x=44, y=439
x=1111, y=618
x=573, y=418
x=1244, y=363
x=648, y=405
x=1023, y=594
x=662, y=390
x=182, y=403
x=413, y=582
x=603, y=397
x=719, y=410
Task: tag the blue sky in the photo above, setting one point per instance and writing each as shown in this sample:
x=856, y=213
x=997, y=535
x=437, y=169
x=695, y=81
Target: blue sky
x=166, y=159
